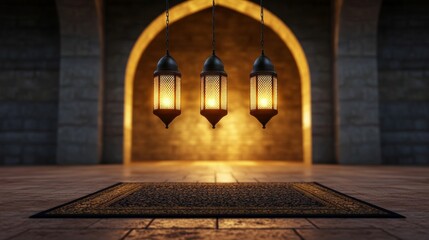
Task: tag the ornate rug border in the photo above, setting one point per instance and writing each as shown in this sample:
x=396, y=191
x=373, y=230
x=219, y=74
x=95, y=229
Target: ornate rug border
x=44, y=214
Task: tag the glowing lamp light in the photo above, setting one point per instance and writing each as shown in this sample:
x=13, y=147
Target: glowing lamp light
x=166, y=101
x=263, y=103
x=263, y=90
x=211, y=103
x=213, y=87
x=166, y=90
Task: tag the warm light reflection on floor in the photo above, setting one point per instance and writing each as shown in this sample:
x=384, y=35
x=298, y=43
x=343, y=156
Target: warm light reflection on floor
x=211, y=171
x=216, y=164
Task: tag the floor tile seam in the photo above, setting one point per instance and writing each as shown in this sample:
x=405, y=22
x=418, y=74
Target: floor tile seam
x=126, y=234
x=150, y=222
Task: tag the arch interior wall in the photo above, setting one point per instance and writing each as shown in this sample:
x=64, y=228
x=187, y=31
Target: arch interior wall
x=238, y=136
x=125, y=22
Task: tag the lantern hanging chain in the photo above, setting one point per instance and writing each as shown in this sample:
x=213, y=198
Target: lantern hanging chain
x=262, y=28
x=213, y=28
x=167, y=21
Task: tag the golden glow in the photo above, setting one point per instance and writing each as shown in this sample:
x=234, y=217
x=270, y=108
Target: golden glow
x=214, y=92
x=224, y=163
x=221, y=166
x=165, y=102
x=263, y=92
x=263, y=102
x=245, y=7
x=166, y=90
x=211, y=103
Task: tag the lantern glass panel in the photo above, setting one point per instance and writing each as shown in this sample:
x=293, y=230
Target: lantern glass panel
x=224, y=93
x=155, y=93
x=178, y=96
x=212, y=100
x=263, y=92
x=275, y=92
x=213, y=92
x=252, y=93
x=166, y=92
x=202, y=93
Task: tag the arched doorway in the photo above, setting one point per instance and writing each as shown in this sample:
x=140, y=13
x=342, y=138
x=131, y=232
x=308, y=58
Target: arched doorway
x=244, y=7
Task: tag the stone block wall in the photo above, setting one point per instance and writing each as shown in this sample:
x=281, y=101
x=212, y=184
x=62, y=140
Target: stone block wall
x=403, y=65
x=356, y=83
x=238, y=136
x=29, y=73
x=81, y=82
x=309, y=20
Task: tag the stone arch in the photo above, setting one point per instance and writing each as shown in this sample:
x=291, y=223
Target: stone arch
x=244, y=7
x=357, y=138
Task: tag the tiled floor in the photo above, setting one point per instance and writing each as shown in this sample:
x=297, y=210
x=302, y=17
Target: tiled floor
x=28, y=190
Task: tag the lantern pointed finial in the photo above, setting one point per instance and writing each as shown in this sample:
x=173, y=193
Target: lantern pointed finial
x=263, y=115
x=166, y=115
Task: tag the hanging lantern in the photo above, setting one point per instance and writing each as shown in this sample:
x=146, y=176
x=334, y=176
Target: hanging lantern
x=213, y=86
x=166, y=85
x=263, y=90
x=166, y=90
x=263, y=85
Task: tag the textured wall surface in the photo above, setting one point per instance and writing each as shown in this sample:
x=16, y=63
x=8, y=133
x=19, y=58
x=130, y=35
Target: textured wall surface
x=356, y=85
x=125, y=22
x=238, y=136
x=81, y=82
x=62, y=71
x=403, y=63
x=29, y=63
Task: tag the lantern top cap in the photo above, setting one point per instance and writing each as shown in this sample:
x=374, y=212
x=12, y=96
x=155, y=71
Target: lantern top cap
x=213, y=64
x=263, y=65
x=167, y=64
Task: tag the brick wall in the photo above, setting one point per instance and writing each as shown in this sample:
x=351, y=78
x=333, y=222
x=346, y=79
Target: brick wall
x=403, y=64
x=29, y=63
x=309, y=20
x=238, y=136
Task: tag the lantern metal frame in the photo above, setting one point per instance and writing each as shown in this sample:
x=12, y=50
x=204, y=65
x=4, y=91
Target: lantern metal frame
x=263, y=67
x=213, y=66
x=167, y=66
